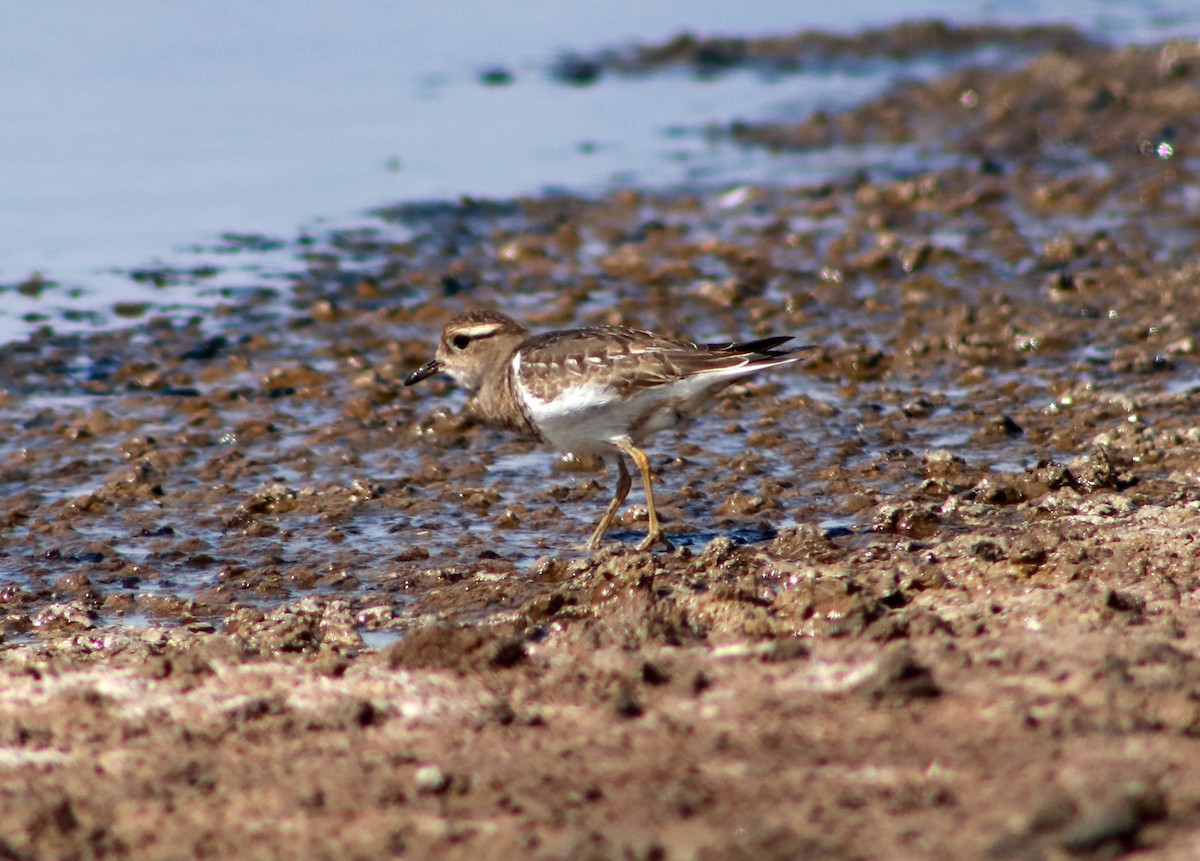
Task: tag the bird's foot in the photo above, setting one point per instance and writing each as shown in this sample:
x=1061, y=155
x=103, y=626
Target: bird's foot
x=656, y=537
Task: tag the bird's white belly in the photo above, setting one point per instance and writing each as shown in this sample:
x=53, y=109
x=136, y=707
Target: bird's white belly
x=588, y=418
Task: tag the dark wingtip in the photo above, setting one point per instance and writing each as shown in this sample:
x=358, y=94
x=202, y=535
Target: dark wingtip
x=767, y=348
x=426, y=370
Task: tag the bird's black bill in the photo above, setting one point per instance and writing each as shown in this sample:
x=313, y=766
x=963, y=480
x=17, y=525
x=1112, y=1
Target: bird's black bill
x=426, y=370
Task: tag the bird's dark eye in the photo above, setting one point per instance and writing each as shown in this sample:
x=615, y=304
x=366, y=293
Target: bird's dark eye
x=460, y=342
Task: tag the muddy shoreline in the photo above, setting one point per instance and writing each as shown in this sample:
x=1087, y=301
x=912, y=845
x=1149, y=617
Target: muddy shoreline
x=935, y=591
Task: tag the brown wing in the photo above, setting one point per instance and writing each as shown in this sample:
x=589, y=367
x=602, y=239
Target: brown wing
x=630, y=359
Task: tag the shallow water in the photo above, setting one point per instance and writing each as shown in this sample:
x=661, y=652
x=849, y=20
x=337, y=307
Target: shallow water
x=139, y=135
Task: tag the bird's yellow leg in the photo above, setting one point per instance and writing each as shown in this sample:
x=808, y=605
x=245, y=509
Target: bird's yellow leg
x=623, y=484
x=654, y=533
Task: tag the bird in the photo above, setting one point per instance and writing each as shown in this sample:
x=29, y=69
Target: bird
x=595, y=390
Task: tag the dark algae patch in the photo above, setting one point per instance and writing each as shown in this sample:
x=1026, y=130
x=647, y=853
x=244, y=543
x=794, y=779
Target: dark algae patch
x=935, y=587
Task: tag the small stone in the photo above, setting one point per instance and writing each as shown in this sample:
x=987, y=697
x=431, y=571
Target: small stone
x=431, y=780
x=900, y=677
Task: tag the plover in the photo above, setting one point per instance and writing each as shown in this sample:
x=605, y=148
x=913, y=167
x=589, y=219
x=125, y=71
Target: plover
x=599, y=390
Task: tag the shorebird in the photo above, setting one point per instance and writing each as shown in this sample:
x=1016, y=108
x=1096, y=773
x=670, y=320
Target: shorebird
x=598, y=390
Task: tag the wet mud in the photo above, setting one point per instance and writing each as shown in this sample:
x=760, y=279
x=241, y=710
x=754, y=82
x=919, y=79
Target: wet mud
x=935, y=586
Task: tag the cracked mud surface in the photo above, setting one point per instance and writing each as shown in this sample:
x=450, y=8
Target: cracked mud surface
x=936, y=591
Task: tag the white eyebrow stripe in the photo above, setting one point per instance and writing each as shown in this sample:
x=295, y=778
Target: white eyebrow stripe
x=480, y=330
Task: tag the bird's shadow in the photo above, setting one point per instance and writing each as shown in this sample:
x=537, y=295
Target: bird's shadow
x=700, y=538
x=740, y=535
